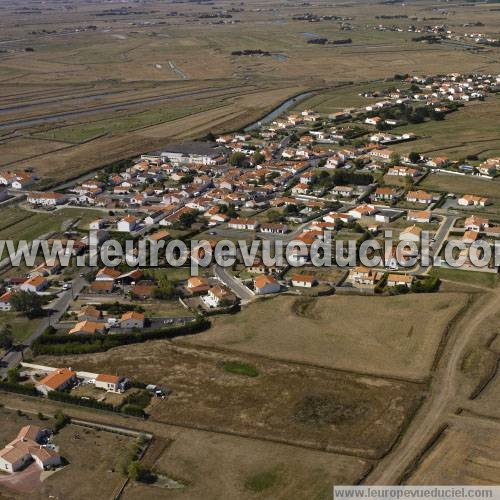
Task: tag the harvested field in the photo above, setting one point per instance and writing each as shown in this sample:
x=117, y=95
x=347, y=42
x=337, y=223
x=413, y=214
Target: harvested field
x=350, y=333
x=317, y=408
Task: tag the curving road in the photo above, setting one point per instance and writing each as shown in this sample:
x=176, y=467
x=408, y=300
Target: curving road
x=442, y=400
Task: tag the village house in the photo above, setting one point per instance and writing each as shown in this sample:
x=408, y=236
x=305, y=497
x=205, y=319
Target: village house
x=363, y=211
x=88, y=327
x=243, y=224
x=300, y=189
x=470, y=236
x=336, y=218
x=419, y=196
x=56, y=380
x=46, y=199
x=111, y=383
x=402, y=171
x=5, y=304
x=273, y=228
x=303, y=280
x=343, y=191
x=197, y=285
x=28, y=446
x=471, y=199
x=219, y=296
x=35, y=284
x=107, y=274
x=399, y=279
x=422, y=216
x=385, y=194
x=364, y=276
x=132, y=319
x=411, y=233
x=476, y=223
x=127, y=224
x=265, y=284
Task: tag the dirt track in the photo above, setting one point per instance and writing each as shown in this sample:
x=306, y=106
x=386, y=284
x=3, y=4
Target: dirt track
x=443, y=398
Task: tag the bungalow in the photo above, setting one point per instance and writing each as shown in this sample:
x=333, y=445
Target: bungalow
x=102, y=287
x=218, y=296
x=300, y=189
x=243, y=224
x=438, y=162
x=343, y=191
x=471, y=199
x=28, y=447
x=47, y=199
x=161, y=235
x=127, y=224
x=57, y=380
x=35, y=284
x=132, y=319
x=111, y=383
x=411, y=233
x=385, y=194
x=89, y=313
x=470, y=236
x=476, y=223
x=423, y=216
x=374, y=120
x=362, y=211
x=88, y=327
x=5, y=304
x=265, y=284
x=303, y=280
x=419, y=196
x=402, y=171
x=107, y=274
x=196, y=285
x=363, y=276
x=22, y=181
x=399, y=279
x=273, y=228
x=336, y=218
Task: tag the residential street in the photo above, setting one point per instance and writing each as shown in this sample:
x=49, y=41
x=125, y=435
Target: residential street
x=240, y=290
x=13, y=357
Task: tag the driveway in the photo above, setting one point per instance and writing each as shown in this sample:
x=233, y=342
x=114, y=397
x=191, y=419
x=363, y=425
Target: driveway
x=24, y=481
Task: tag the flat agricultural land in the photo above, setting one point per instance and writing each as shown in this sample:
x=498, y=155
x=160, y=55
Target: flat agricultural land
x=350, y=333
x=84, y=87
x=212, y=466
x=467, y=453
x=311, y=407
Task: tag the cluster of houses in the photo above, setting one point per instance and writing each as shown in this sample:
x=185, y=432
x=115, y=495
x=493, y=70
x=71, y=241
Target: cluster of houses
x=30, y=445
x=63, y=379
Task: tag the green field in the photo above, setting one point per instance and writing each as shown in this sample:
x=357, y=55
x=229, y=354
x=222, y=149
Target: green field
x=22, y=327
x=469, y=277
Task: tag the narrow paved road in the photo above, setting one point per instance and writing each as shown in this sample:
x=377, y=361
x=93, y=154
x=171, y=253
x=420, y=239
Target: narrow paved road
x=13, y=357
x=443, y=395
x=236, y=286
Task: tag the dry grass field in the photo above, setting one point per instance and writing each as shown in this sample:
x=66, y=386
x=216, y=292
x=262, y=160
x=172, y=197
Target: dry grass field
x=460, y=184
x=467, y=453
x=318, y=408
x=349, y=333
x=214, y=466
